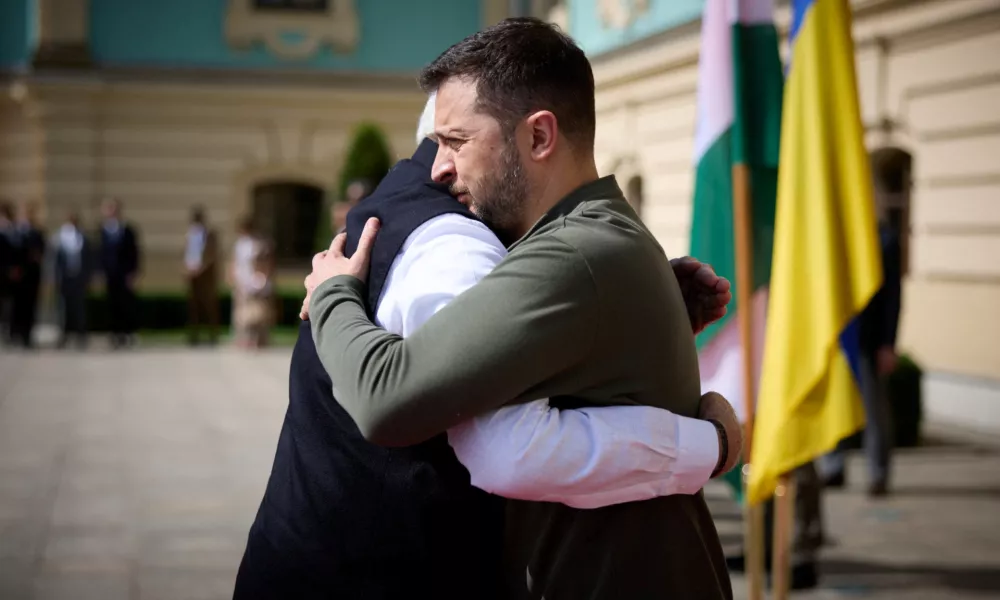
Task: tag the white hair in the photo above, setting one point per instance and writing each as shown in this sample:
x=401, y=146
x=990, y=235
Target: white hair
x=425, y=128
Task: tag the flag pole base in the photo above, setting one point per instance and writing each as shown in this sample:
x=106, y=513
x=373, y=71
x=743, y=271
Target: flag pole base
x=753, y=543
x=784, y=517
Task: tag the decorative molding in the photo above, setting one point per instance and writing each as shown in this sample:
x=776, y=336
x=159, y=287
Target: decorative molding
x=223, y=78
x=337, y=26
x=619, y=14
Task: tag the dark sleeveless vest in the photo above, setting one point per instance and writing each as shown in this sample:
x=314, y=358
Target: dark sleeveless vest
x=344, y=518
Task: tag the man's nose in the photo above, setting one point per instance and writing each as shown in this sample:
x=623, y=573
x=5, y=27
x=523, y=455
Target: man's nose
x=443, y=170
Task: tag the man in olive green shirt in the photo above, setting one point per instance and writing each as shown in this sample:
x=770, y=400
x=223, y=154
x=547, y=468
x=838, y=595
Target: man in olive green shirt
x=585, y=305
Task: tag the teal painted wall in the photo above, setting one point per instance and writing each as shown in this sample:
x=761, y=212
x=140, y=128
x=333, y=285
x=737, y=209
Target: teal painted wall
x=396, y=35
x=595, y=37
x=17, y=32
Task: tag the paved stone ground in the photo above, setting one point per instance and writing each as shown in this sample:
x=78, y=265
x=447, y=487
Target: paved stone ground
x=937, y=537
x=136, y=475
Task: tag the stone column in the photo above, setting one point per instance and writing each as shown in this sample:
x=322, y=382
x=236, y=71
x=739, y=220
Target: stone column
x=63, y=33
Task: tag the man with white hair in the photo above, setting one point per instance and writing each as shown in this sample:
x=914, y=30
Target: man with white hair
x=343, y=517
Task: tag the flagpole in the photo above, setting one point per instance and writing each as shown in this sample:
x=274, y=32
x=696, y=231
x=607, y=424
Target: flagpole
x=784, y=511
x=753, y=521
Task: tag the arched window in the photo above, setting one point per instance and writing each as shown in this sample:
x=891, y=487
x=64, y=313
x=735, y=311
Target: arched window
x=289, y=213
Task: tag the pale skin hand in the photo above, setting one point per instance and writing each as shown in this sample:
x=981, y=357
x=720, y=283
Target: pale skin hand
x=332, y=262
x=706, y=295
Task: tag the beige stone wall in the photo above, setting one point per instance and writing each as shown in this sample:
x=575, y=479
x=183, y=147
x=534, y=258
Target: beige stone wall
x=928, y=69
x=21, y=164
x=165, y=141
x=164, y=146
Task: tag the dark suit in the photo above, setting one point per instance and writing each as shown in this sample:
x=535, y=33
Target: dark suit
x=72, y=274
x=203, y=292
x=29, y=251
x=878, y=325
x=6, y=285
x=120, y=264
x=342, y=517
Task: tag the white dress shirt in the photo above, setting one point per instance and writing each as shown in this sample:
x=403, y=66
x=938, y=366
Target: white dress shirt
x=244, y=254
x=195, y=248
x=113, y=228
x=585, y=458
x=71, y=243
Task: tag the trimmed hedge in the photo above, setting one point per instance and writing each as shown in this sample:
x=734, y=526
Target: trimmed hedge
x=906, y=402
x=903, y=392
x=170, y=310
x=368, y=159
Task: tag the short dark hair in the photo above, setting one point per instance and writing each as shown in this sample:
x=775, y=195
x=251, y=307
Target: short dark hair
x=366, y=187
x=245, y=223
x=521, y=65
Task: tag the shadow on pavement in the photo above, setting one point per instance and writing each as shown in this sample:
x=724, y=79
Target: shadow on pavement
x=853, y=574
x=946, y=491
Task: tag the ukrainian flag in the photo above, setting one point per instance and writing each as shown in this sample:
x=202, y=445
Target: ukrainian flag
x=826, y=263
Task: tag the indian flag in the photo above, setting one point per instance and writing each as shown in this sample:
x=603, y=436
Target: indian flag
x=740, y=86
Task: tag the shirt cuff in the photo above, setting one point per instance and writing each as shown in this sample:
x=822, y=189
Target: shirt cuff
x=697, y=455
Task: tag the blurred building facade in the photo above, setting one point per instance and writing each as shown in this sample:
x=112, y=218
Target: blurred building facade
x=243, y=105
x=235, y=105
x=929, y=79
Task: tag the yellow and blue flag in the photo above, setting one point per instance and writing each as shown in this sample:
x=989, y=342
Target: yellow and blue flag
x=826, y=264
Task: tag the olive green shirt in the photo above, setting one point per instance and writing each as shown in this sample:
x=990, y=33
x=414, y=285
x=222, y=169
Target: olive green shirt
x=585, y=305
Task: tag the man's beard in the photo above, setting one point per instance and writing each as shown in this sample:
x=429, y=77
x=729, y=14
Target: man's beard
x=500, y=196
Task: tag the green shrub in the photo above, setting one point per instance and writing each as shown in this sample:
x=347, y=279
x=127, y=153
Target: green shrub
x=903, y=393
x=906, y=402
x=368, y=159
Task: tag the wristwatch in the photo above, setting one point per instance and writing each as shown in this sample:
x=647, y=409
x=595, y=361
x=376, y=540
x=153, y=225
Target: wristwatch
x=723, y=448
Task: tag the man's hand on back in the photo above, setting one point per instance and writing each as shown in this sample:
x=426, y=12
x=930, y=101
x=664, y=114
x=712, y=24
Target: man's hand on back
x=332, y=263
x=705, y=293
x=714, y=407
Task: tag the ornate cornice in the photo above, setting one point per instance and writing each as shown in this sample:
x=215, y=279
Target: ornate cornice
x=620, y=14
x=337, y=26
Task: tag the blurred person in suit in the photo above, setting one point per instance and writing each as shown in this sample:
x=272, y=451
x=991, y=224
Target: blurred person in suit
x=73, y=268
x=200, y=260
x=120, y=259
x=29, y=254
x=6, y=266
x=878, y=325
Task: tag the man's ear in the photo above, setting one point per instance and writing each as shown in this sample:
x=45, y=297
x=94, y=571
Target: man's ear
x=544, y=130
